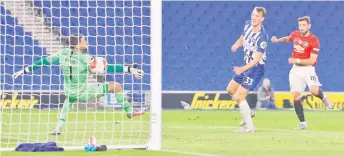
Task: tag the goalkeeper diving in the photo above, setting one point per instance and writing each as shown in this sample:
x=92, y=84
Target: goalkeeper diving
x=75, y=65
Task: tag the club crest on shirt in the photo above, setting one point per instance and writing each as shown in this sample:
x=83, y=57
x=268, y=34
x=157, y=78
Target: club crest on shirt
x=263, y=45
x=305, y=44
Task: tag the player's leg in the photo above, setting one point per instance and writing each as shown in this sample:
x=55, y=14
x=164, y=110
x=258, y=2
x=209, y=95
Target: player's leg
x=249, y=83
x=232, y=88
x=316, y=91
x=233, y=85
x=245, y=111
x=67, y=105
x=297, y=86
x=298, y=107
x=121, y=98
x=314, y=87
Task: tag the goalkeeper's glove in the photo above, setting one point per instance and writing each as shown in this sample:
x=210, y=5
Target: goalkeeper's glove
x=138, y=73
x=21, y=72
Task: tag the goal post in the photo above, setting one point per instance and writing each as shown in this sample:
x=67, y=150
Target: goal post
x=155, y=141
x=124, y=32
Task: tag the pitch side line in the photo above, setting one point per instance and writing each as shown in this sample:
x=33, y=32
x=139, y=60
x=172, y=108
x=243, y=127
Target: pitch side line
x=188, y=153
x=264, y=129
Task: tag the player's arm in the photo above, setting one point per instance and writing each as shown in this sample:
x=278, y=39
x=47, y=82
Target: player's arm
x=311, y=61
x=240, y=41
x=285, y=39
x=119, y=68
x=138, y=73
x=255, y=61
x=238, y=44
x=44, y=61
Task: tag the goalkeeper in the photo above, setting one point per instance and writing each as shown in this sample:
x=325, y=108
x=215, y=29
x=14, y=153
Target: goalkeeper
x=75, y=67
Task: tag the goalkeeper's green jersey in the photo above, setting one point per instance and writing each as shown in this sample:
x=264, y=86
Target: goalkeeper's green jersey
x=74, y=66
x=75, y=69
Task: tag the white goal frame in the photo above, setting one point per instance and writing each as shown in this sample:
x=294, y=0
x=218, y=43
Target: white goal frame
x=155, y=141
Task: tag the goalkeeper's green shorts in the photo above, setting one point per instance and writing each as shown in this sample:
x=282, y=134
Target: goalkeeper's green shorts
x=91, y=92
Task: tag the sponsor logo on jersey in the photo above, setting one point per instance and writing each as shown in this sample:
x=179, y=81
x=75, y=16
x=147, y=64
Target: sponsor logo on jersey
x=299, y=41
x=298, y=48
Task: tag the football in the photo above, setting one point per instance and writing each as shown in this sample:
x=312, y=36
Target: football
x=98, y=65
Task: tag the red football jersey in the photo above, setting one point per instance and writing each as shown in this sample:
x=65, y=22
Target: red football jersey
x=304, y=46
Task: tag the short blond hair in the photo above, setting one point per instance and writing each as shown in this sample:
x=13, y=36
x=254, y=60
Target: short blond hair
x=305, y=18
x=261, y=10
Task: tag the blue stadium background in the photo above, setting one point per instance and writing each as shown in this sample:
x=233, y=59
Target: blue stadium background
x=197, y=37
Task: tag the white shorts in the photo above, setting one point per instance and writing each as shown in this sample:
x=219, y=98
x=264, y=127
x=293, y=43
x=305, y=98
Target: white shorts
x=300, y=76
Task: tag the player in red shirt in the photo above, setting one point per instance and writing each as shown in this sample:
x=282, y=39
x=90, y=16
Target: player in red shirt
x=304, y=58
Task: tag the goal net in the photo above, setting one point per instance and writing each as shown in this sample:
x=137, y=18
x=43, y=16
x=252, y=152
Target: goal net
x=123, y=32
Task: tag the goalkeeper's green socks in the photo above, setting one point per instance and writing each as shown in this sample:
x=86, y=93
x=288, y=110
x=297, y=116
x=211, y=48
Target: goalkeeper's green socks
x=123, y=99
x=63, y=114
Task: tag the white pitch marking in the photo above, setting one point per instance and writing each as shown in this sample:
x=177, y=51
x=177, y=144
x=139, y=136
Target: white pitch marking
x=264, y=129
x=188, y=153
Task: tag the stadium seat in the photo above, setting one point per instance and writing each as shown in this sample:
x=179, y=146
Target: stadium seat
x=198, y=34
x=47, y=4
x=2, y=10
x=197, y=39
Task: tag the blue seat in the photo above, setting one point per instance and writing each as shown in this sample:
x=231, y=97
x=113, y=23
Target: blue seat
x=92, y=12
x=47, y=12
x=19, y=30
x=100, y=51
x=101, y=22
x=197, y=38
x=56, y=12
x=65, y=12
x=92, y=21
x=101, y=12
x=28, y=41
x=37, y=3
x=92, y=32
x=2, y=10
x=46, y=4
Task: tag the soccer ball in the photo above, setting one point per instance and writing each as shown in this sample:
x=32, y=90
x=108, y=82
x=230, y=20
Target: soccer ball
x=98, y=65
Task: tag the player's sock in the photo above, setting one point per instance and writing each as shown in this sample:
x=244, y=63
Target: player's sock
x=63, y=114
x=123, y=99
x=299, y=110
x=246, y=113
x=320, y=95
x=325, y=100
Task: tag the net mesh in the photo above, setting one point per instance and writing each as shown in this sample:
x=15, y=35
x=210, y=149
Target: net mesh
x=31, y=30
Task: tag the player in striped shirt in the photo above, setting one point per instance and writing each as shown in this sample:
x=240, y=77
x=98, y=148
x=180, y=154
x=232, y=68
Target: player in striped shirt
x=74, y=63
x=254, y=42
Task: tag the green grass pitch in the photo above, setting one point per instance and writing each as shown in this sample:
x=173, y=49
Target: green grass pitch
x=199, y=133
